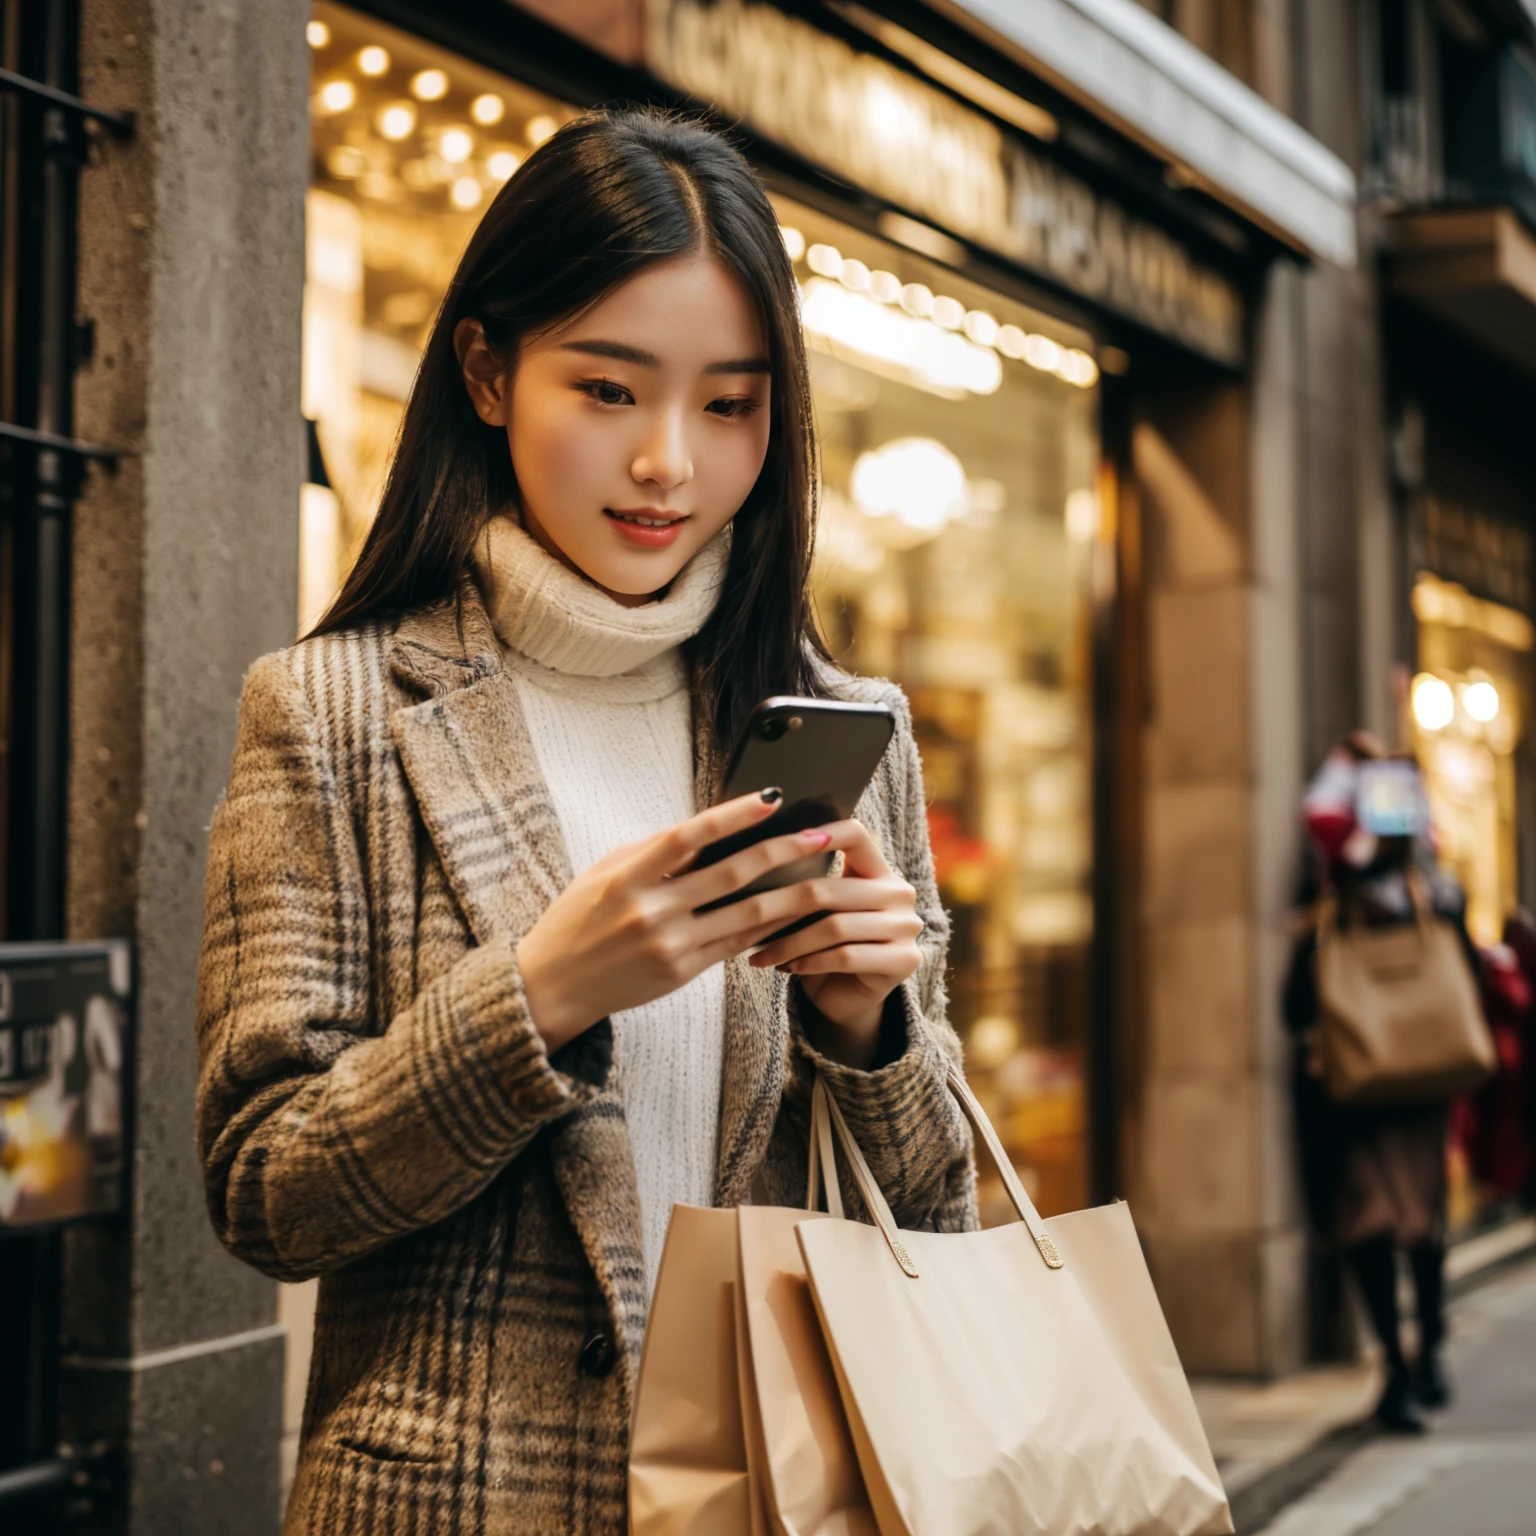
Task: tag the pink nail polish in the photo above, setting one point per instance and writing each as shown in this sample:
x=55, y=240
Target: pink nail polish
x=817, y=839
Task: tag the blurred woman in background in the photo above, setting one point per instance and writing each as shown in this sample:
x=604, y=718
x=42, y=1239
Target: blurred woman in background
x=1374, y=1178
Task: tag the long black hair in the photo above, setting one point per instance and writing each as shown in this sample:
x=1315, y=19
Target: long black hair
x=607, y=196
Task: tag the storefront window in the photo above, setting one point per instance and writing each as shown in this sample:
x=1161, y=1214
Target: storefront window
x=1471, y=704
x=959, y=449
x=409, y=145
x=959, y=455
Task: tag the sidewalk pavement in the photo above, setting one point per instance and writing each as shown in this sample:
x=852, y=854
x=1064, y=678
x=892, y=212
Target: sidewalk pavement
x=1274, y=1441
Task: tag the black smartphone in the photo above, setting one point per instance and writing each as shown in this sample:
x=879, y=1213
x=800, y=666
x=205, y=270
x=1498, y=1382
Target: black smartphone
x=822, y=753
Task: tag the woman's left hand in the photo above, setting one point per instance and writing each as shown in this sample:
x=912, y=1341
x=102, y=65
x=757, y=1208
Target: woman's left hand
x=852, y=959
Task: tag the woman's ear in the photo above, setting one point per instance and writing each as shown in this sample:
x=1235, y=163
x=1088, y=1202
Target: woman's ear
x=485, y=377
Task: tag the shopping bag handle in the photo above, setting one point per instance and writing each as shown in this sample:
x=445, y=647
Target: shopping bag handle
x=827, y=1123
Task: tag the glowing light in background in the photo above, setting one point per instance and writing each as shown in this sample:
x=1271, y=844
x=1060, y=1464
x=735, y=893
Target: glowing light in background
x=794, y=242
x=1481, y=701
x=503, y=163
x=455, y=146
x=488, y=110
x=1434, y=705
x=916, y=480
x=398, y=121
x=429, y=85
x=541, y=127
x=937, y=358
x=337, y=95
x=465, y=193
x=373, y=60
x=317, y=35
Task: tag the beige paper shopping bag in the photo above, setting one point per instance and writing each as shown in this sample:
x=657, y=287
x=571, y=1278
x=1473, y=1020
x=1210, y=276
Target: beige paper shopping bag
x=1014, y=1382
x=687, y=1460
x=803, y=1457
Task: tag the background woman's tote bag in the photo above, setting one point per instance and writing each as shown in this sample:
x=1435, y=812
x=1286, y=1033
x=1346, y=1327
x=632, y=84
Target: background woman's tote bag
x=1401, y=1020
x=1014, y=1382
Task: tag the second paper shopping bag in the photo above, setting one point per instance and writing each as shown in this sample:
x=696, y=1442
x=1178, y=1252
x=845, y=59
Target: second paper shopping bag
x=1019, y=1381
x=688, y=1458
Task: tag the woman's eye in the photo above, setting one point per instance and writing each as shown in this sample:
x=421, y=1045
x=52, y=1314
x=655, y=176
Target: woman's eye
x=605, y=391
x=732, y=407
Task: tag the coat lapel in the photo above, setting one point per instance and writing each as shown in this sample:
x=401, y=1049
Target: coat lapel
x=756, y=1052
x=472, y=767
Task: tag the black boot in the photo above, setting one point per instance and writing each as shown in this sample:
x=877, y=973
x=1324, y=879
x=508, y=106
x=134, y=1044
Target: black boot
x=1398, y=1410
x=1430, y=1385
x=1375, y=1266
x=1429, y=1381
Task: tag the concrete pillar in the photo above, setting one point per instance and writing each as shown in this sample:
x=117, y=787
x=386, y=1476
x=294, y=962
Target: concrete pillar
x=1215, y=1185
x=185, y=570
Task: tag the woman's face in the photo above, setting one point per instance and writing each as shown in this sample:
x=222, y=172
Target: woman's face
x=637, y=429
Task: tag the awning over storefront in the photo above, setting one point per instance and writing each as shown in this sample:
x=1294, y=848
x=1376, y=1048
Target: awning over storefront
x=1476, y=268
x=1138, y=74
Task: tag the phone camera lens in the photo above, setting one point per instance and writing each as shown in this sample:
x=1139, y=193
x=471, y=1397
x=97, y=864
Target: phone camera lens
x=773, y=730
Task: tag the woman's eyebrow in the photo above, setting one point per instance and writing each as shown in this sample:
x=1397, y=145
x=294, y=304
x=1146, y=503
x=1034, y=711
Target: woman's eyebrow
x=622, y=352
x=741, y=365
x=617, y=350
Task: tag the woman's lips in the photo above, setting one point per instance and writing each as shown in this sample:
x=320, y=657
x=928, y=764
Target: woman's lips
x=646, y=529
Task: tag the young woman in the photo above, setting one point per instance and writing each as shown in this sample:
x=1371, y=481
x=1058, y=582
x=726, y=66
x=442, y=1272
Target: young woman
x=465, y=1037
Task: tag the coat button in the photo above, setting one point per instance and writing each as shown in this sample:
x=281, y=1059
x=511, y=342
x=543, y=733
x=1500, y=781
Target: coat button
x=598, y=1356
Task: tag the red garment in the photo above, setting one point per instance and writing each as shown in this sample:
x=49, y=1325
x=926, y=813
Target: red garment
x=1493, y=1125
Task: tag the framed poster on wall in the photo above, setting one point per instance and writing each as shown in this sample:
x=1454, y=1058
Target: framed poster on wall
x=66, y=1013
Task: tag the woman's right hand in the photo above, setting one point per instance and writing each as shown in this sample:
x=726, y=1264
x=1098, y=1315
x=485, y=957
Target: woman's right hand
x=628, y=930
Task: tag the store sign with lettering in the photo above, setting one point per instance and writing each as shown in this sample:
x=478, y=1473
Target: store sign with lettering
x=1487, y=555
x=911, y=144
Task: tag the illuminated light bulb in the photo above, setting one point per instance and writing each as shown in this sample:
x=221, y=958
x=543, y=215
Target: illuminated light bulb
x=455, y=146
x=503, y=163
x=465, y=193
x=1434, y=705
x=885, y=286
x=1481, y=701
x=917, y=299
x=337, y=95
x=346, y=162
x=950, y=313
x=794, y=242
x=1011, y=341
x=1041, y=352
x=429, y=85
x=936, y=358
x=317, y=34
x=541, y=128
x=916, y=480
x=397, y=121
x=855, y=275
x=488, y=110
x=373, y=60
x=1078, y=368
x=980, y=327
x=825, y=260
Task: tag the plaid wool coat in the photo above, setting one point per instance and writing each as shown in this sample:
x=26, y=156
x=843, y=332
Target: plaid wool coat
x=376, y=1107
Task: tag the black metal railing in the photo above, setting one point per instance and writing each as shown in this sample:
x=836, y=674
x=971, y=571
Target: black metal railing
x=45, y=136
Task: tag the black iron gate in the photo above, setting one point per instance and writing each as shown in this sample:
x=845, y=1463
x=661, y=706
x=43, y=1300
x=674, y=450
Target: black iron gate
x=45, y=137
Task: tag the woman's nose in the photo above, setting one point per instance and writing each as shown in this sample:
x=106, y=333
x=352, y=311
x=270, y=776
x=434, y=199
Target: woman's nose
x=663, y=458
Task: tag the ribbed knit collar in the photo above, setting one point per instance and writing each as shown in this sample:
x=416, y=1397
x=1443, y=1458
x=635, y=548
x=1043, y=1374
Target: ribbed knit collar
x=547, y=613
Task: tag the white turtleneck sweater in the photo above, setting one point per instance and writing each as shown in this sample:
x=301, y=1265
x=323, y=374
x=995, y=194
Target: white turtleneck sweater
x=604, y=691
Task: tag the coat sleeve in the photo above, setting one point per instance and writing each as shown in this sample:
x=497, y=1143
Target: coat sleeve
x=911, y=1131
x=323, y=1132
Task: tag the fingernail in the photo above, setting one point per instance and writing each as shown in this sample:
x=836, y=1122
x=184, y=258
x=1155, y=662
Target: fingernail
x=772, y=796
x=817, y=839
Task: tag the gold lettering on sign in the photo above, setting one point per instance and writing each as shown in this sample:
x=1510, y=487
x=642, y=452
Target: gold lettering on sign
x=905, y=141
x=1487, y=555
